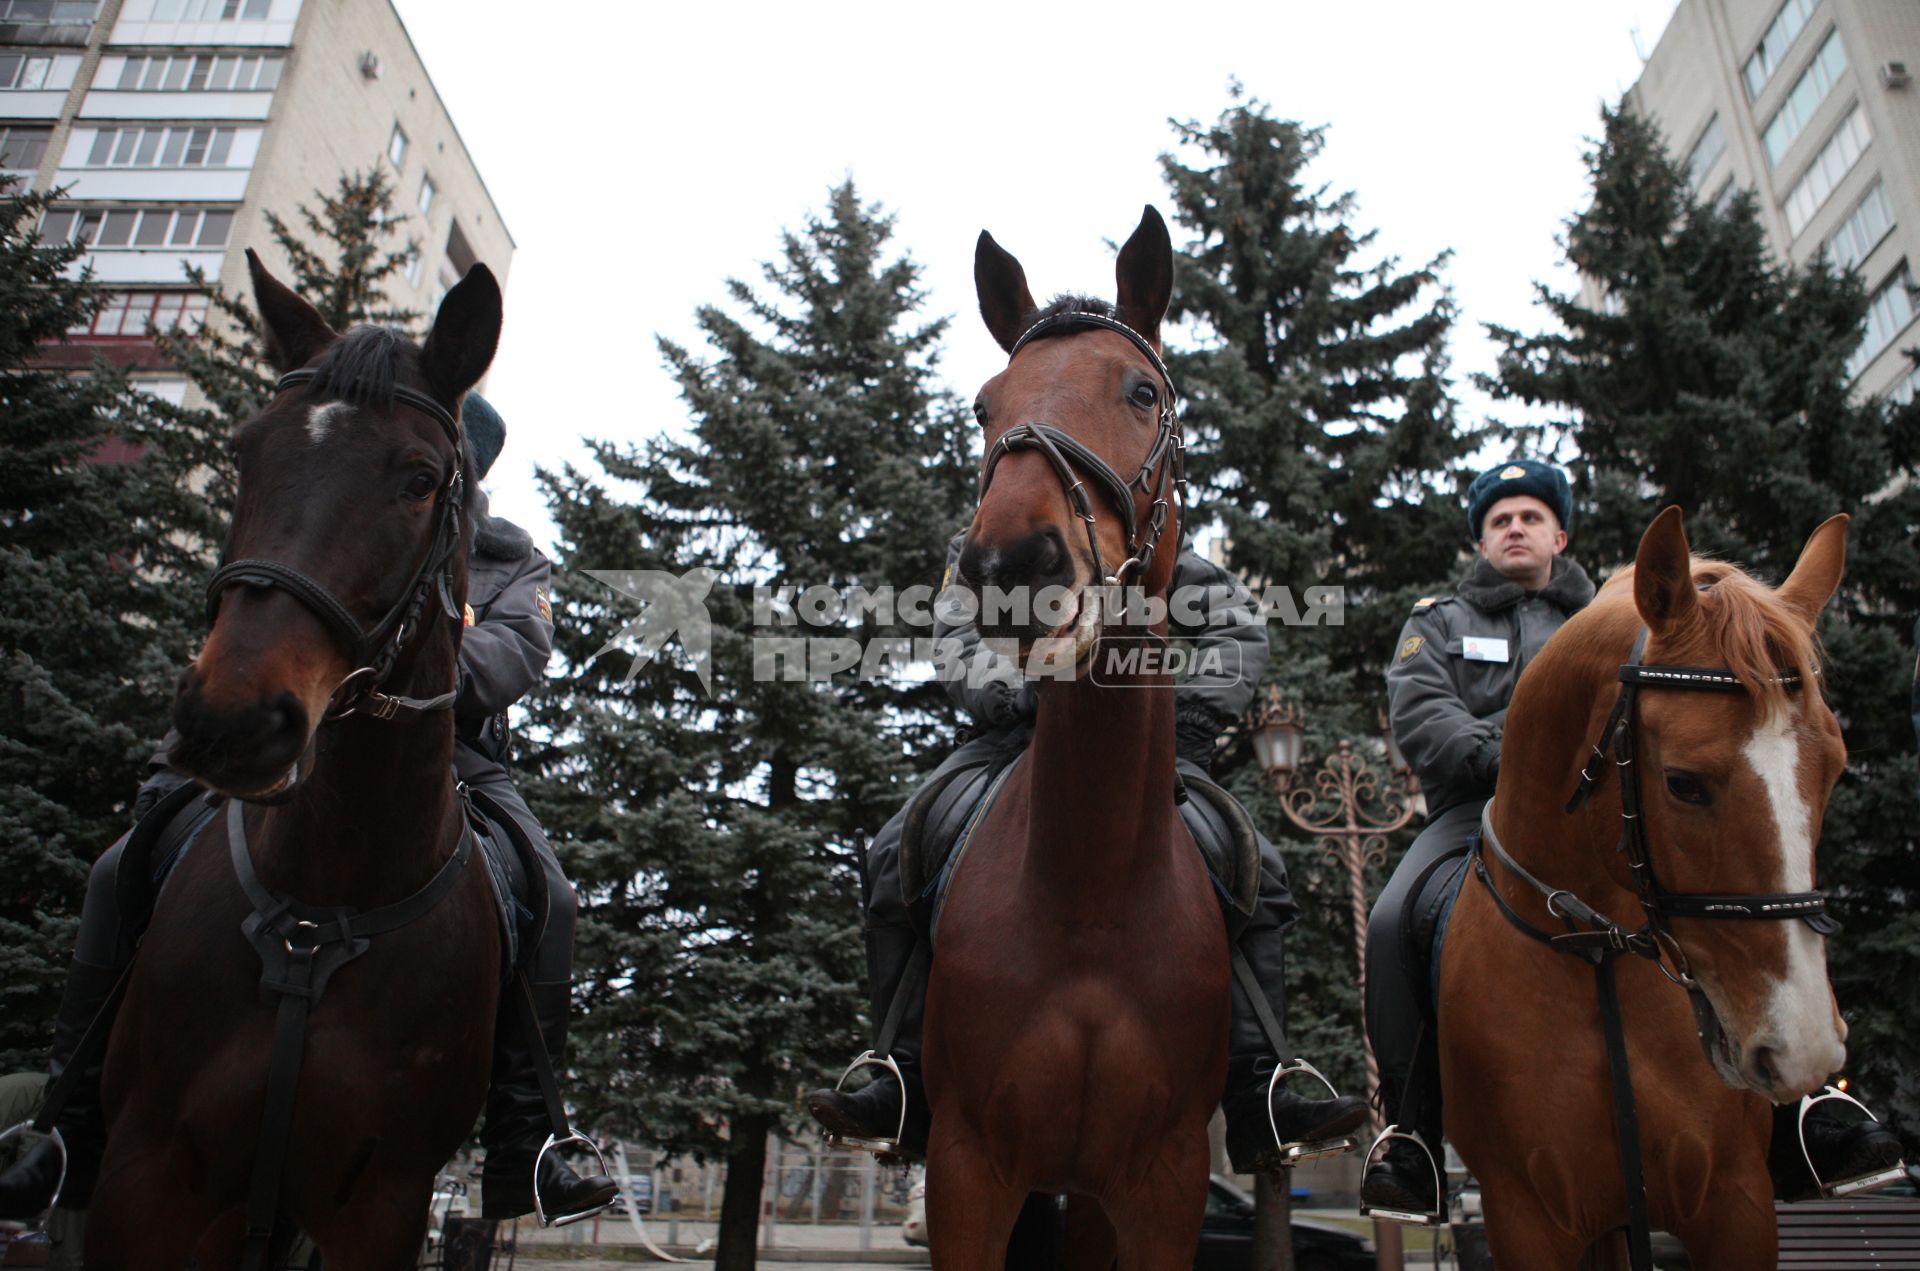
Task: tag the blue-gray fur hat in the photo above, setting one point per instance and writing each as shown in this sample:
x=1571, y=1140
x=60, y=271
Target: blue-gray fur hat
x=1516, y=477
x=486, y=431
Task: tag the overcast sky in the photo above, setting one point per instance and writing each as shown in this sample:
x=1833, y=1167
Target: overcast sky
x=642, y=153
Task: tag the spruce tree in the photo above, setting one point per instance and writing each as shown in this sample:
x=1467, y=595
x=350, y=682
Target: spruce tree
x=101, y=561
x=1322, y=439
x=716, y=833
x=1716, y=378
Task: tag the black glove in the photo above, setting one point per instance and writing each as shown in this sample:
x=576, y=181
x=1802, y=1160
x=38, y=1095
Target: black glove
x=1196, y=734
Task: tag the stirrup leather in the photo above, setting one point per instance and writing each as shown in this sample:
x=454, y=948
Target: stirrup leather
x=1431, y=1218
x=25, y=1129
x=1300, y=1153
x=539, y=1205
x=1845, y=1186
x=879, y=1145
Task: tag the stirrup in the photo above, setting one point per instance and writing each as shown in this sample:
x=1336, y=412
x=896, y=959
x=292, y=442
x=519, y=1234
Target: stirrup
x=880, y=1145
x=25, y=1128
x=539, y=1207
x=1846, y=1186
x=1431, y=1218
x=1300, y=1153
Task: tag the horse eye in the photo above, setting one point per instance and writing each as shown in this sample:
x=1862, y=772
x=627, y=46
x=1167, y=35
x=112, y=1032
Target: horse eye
x=421, y=486
x=1688, y=788
x=1143, y=395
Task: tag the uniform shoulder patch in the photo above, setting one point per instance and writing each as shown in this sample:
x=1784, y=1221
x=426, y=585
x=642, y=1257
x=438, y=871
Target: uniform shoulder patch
x=467, y=615
x=1425, y=602
x=542, y=603
x=1410, y=646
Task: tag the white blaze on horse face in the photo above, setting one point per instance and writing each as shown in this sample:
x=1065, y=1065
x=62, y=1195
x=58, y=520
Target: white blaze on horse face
x=1807, y=1045
x=320, y=419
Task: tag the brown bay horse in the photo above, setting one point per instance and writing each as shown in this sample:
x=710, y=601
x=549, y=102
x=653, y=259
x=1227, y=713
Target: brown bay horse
x=351, y=506
x=1076, y=1018
x=1722, y=757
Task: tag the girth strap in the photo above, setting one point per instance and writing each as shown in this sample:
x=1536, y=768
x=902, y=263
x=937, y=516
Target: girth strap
x=300, y=948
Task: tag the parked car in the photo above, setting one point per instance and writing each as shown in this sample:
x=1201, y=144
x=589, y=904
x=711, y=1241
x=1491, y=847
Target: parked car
x=1226, y=1237
x=914, y=1229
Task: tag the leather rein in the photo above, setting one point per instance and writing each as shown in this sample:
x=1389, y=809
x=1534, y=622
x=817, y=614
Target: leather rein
x=373, y=649
x=1591, y=934
x=1162, y=474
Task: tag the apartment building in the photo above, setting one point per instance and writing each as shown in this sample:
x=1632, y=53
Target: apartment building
x=1813, y=105
x=174, y=126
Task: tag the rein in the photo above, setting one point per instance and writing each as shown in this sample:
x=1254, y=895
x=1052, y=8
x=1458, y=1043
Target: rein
x=1591, y=934
x=1166, y=456
x=373, y=649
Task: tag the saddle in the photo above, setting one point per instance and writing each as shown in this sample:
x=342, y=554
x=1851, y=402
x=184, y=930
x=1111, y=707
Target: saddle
x=942, y=815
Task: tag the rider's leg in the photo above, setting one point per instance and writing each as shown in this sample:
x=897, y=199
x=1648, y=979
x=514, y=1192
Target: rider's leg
x=1298, y=1114
x=1842, y=1148
x=517, y=1122
x=99, y=955
x=1400, y=1020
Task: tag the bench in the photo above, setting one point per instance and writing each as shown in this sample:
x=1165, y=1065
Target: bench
x=1865, y=1231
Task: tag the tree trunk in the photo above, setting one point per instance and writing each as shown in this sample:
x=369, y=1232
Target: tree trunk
x=740, y=1201
x=1273, y=1221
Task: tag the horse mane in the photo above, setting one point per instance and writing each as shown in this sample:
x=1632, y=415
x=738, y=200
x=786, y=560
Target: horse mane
x=362, y=366
x=1751, y=633
x=1071, y=302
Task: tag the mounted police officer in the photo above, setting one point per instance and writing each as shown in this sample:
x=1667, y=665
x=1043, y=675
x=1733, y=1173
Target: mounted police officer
x=1230, y=650
x=1452, y=675
x=503, y=653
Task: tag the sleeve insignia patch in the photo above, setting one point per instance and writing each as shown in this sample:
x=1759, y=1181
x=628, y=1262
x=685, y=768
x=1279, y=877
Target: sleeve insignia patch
x=1411, y=647
x=468, y=616
x=541, y=602
x=1425, y=602
x=1512, y=473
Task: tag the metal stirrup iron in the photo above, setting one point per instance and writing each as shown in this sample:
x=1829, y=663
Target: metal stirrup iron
x=880, y=1146
x=1411, y=1217
x=27, y=1130
x=1845, y=1186
x=1302, y=1152
x=539, y=1207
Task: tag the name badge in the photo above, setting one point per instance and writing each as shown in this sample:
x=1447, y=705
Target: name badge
x=1483, y=649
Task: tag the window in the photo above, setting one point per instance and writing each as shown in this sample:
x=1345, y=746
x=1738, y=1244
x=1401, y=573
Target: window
x=162, y=146
x=426, y=195
x=1706, y=152
x=128, y=314
x=1834, y=161
x=205, y=72
x=1808, y=92
x=22, y=148
x=1774, y=44
x=1902, y=393
x=1888, y=314
x=414, y=263
x=397, y=147
x=52, y=12
x=19, y=71
x=140, y=228
x=211, y=10
x=1861, y=232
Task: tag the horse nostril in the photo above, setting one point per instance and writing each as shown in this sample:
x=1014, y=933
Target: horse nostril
x=1766, y=1065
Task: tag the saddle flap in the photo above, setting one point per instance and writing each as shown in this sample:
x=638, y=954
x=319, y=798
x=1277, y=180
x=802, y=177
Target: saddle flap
x=935, y=819
x=1226, y=838
x=519, y=881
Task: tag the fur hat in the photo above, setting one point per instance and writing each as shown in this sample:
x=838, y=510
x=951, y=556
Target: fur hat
x=1516, y=477
x=486, y=432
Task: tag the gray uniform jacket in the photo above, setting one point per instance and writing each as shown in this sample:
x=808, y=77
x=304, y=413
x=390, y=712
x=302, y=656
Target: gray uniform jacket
x=504, y=652
x=1208, y=605
x=1447, y=705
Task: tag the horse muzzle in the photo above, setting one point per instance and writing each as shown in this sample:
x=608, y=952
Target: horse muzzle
x=250, y=749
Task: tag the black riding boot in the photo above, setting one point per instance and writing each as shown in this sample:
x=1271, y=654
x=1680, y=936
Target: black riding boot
x=1301, y=1109
x=517, y=1122
x=28, y=1185
x=874, y=1110
x=1841, y=1150
x=1403, y=1178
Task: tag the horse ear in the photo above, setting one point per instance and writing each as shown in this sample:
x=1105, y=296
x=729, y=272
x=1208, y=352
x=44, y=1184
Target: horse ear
x=465, y=333
x=1817, y=573
x=1145, y=273
x=294, y=329
x=1002, y=287
x=1663, y=589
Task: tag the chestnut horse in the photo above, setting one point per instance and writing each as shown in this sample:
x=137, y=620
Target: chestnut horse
x=1076, y=1019
x=1725, y=786
x=351, y=491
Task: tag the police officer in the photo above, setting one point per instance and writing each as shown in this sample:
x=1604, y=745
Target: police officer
x=503, y=653
x=1452, y=675
x=1230, y=650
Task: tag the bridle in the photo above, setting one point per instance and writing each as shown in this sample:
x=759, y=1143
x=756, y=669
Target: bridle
x=374, y=650
x=1598, y=938
x=1166, y=457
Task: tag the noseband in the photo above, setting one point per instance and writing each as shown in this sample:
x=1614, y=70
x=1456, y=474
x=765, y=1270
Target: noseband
x=1166, y=457
x=373, y=649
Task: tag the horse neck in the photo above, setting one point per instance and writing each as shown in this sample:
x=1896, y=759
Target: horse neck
x=378, y=814
x=1101, y=782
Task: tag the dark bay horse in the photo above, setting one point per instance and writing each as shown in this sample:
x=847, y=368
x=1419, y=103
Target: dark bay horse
x=1076, y=1019
x=1731, y=753
x=350, y=507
